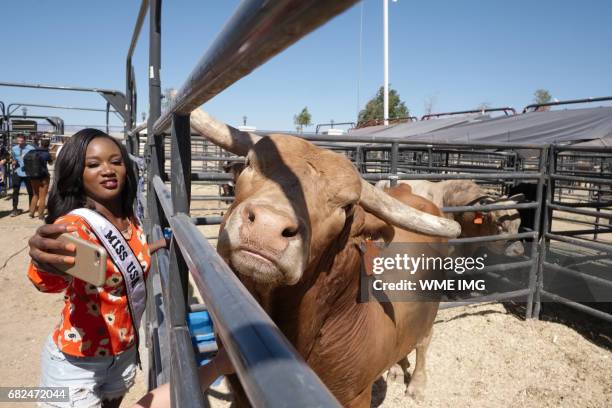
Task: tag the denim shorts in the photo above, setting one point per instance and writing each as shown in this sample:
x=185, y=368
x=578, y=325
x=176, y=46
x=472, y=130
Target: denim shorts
x=90, y=380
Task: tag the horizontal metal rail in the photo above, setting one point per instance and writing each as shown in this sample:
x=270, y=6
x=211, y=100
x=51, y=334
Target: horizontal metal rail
x=598, y=224
x=204, y=176
x=492, y=270
x=574, y=210
x=580, y=243
x=595, y=279
x=17, y=105
x=59, y=87
x=605, y=178
x=208, y=220
x=605, y=230
x=255, y=33
x=211, y=198
x=568, y=102
x=381, y=121
x=439, y=168
x=456, y=176
x=593, y=204
x=576, y=305
x=199, y=157
x=487, y=298
x=489, y=207
x=508, y=266
x=492, y=238
x=116, y=98
x=485, y=110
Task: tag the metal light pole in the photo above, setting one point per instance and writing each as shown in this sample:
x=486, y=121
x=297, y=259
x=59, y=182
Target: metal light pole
x=386, y=61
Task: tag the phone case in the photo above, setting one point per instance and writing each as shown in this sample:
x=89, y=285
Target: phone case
x=90, y=260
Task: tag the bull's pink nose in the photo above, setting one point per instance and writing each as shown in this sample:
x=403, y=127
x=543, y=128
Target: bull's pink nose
x=273, y=228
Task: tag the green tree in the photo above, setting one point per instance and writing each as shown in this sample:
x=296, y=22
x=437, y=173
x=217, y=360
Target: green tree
x=303, y=119
x=375, y=106
x=542, y=96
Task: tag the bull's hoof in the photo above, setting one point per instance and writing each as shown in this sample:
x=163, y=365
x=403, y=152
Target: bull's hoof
x=416, y=389
x=395, y=374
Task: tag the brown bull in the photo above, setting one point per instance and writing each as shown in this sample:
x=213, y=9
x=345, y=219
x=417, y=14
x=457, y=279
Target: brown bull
x=459, y=193
x=293, y=237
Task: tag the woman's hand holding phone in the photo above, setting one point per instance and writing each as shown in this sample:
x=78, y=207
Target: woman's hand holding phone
x=44, y=248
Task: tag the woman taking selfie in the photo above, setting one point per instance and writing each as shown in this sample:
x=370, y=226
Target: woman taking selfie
x=94, y=349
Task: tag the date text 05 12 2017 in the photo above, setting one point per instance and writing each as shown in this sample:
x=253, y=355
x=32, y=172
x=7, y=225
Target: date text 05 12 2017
x=34, y=394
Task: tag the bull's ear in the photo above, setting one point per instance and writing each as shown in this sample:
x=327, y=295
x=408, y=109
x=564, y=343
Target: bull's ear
x=518, y=198
x=376, y=229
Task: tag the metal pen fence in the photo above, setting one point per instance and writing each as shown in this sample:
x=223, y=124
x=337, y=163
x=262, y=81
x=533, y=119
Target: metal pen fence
x=246, y=331
x=248, y=334
x=493, y=167
x=586, y=170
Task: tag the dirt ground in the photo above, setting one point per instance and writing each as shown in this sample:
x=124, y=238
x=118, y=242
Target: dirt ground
x=480, y=356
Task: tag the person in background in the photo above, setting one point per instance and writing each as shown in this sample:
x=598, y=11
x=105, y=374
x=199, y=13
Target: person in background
x=35, y=139
x=40, y=185
x=18, y=152
x=5, y=156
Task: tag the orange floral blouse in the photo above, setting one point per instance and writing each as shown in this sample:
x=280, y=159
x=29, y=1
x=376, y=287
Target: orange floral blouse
x=95, y=321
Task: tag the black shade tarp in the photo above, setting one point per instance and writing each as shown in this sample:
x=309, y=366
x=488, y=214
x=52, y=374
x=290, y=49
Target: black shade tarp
x=558, y=126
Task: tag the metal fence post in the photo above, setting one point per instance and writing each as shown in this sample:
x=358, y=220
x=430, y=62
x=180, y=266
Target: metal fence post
x=536, y=250
x=180, y=167
x=598, y=192
x=394, y=157
x=153, y=214
x=154, y=142
x=546, y=227
x=359, y=159
x=181, y=163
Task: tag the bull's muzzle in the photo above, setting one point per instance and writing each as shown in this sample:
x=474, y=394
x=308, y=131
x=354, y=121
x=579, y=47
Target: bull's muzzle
x=268, y=228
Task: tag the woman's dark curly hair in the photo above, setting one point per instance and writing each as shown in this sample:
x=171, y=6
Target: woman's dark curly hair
x=67, y=192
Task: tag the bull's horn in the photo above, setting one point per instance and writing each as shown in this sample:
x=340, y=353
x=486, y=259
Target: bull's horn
x=225, y=136
x=395, y=212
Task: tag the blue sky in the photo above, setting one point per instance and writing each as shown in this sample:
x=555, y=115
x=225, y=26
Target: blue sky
x=457, y=54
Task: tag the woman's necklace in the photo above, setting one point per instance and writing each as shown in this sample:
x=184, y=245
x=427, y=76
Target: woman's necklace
x=127, y=232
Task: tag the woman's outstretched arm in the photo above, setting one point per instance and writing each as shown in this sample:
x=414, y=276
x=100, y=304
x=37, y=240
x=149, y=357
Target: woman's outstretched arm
x=160, y=396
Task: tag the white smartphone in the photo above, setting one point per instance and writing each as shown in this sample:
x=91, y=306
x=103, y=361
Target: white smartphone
x=89, y=260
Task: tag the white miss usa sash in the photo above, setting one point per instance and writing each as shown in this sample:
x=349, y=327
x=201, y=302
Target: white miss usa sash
x=123, y=257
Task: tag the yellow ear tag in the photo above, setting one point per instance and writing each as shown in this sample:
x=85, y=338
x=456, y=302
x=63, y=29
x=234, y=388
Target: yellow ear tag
x=478, y=218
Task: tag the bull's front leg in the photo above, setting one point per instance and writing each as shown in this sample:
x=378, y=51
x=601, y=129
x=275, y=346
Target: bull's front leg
x=393, y=372
x=418, y=381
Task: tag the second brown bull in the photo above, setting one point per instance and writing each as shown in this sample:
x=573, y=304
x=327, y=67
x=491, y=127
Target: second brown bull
x=459, y=193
